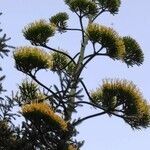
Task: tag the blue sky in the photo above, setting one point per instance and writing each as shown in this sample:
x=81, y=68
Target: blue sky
x=133, y=20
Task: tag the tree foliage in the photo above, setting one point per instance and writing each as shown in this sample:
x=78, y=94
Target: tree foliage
x=47, y=112
x=6, y=130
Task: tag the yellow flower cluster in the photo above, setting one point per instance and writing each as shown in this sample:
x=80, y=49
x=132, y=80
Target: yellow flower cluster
x=38, y=32
x=126, y=95
x=37, y=111
x=28, y=58
x=61, y=62
x=111, y=6
x=108, y=38
x=122, y=86
x=134, y=54
x=86, y=7
x=71, y=147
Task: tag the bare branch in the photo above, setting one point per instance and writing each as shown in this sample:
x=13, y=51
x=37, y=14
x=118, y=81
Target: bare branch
x=88, y=117
x=61, y=52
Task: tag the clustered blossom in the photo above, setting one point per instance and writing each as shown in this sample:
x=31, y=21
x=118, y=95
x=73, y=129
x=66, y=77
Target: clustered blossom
x=29, y=58
x=39, y=32
x=108, y=38
x=37, y=111
x=124, y=96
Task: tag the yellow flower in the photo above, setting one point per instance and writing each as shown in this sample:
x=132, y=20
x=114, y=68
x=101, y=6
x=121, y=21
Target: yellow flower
x=37, y=111
x=28, y=58
x=108, y=38
x=71, y=147
x=125, y=96
x=38, y=32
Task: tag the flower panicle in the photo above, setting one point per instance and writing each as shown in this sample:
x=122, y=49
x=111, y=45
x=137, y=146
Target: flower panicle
x=39, y=32
x=37, y=111
x=29, y=58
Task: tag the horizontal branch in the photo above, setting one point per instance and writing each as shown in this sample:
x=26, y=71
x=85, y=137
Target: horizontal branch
x=93, y=55
x=61, y=52
x=71, y=29
x=105, y=110
x=89, y=103
x=88, y=117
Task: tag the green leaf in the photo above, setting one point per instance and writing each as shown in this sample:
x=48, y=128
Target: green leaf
x=3, y=46
x=29, y=92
